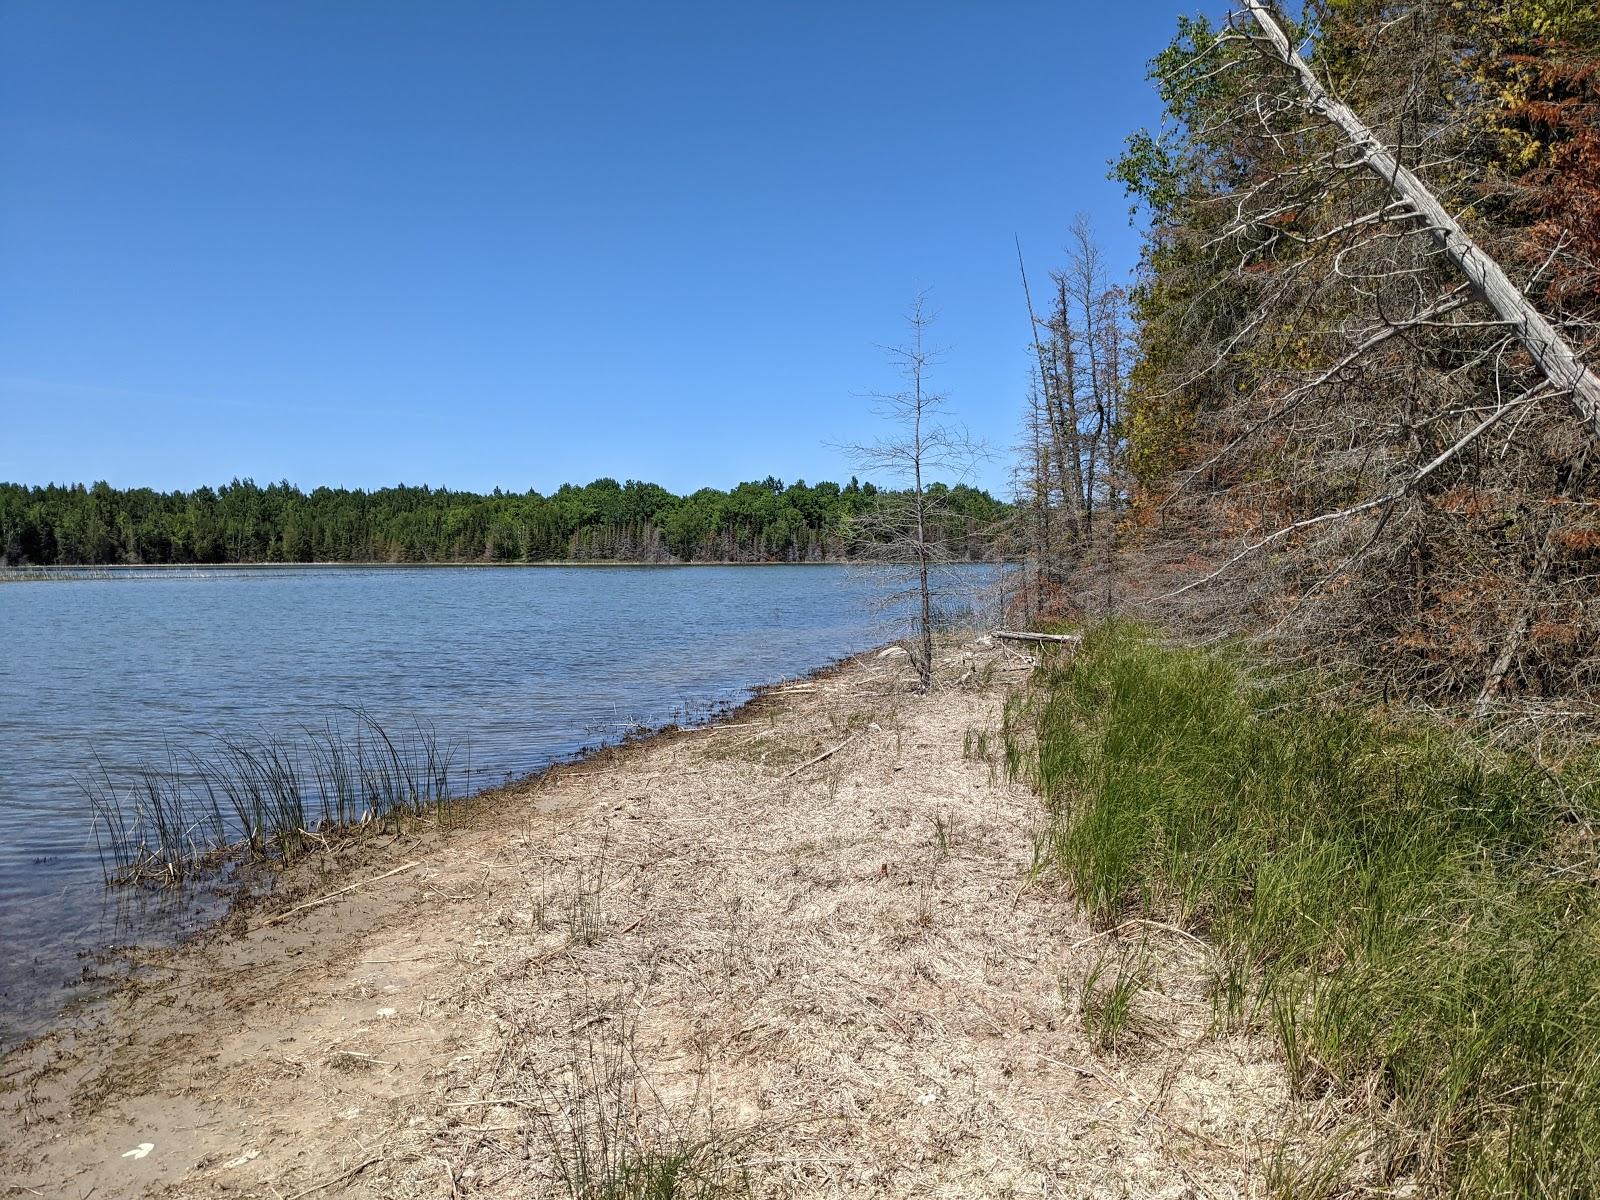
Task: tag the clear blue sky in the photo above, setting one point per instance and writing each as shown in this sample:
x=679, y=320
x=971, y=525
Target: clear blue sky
x=515, y=244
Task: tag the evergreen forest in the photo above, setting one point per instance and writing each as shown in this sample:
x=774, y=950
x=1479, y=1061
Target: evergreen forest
x=603, y=521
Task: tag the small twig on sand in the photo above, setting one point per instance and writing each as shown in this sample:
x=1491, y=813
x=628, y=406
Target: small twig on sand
x=1183, y=933
x=328, y=1183
x=380, y=1062
x=1129, y=924
x=495, y=1102
x=287, y=913
x=811, y=762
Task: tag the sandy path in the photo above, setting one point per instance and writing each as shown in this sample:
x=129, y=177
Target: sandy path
x=841, y=971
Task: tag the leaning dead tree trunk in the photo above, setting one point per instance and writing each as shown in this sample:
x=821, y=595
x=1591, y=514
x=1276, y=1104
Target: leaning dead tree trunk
x=1556, y=358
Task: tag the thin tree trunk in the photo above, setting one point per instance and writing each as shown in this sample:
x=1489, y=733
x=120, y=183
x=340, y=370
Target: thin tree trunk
x=1068, y=492
x=925, y=659
x=1041, y=501
x=1067, y=400
x=1086, y=301
x=1517, y=631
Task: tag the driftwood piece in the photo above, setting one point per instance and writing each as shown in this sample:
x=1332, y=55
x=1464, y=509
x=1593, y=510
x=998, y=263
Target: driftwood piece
x=1560, y=363
x=811, y=762
x=361, y=883
x=1011, y=635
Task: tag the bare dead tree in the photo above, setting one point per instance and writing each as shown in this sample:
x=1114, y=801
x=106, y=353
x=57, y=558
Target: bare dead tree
x=1028, y=534
x=1036, y=493
x=1092, y=313
x=1057, y=408
x=1073, y=426
x=904, y=527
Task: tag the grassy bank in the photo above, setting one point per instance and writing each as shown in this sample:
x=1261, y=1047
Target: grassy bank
x=1415, y=916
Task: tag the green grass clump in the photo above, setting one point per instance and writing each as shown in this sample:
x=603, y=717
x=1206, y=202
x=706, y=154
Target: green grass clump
x=1410, y=911
x=688, y=1171
x=1106, y=998
x=595, y=1129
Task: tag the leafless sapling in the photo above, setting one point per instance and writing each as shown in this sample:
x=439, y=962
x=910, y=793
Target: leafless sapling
x=906, y=526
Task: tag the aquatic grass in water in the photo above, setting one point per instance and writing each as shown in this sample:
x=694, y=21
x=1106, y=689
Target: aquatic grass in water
x=1407, y=910
x=271, y=797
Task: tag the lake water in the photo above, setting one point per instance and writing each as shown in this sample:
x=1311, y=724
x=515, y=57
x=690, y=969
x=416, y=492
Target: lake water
x=516, y=666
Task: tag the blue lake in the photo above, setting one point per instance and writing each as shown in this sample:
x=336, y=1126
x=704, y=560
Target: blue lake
x=515, y=666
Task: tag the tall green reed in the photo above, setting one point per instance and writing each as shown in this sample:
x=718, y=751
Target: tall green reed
x=266, y=796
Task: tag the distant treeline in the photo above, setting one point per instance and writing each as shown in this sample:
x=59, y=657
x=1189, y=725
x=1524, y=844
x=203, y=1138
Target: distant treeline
x=242, y=522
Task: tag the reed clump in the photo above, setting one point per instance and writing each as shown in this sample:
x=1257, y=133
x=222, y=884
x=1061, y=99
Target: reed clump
x=263, y=797
x=1416, y=916
x=604, y=1129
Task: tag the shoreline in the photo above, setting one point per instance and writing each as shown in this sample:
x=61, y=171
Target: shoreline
x=266, y=888
x=349, y=864
x=810, y=929
x=18, y=574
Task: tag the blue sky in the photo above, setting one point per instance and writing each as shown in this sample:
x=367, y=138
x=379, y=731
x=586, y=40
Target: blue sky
x=515, y=244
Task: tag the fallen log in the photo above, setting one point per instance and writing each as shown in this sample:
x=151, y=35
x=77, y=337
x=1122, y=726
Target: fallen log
x=1011, y=635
